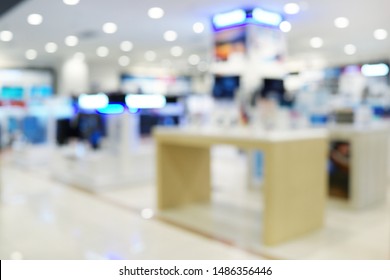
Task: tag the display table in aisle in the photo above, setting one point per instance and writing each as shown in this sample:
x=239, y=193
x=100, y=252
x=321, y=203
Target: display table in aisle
x=368, y=151
x=295, y=174
x=125, y=160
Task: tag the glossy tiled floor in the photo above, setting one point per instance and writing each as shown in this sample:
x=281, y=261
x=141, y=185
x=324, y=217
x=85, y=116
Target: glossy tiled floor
x=234, y=217
x=41, y=218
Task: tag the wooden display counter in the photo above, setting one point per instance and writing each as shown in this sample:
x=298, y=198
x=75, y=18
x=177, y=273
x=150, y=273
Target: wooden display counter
x=367, y=174
x=295, y=185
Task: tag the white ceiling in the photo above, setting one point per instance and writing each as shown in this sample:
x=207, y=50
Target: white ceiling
x=315, y=19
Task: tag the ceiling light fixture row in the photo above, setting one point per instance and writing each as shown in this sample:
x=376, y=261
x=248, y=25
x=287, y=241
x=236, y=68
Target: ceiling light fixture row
x=317, y=42
x=380, y=34
x=198, y=27
x=35, y=19
x=349, y=49
x=193, y=59
x=124, y=61
x=51, y=47
x=71, y=2
x=170, y=36
x=110, y=28
x=126, y=46
x=222, y=20
x=156, y=13
x=6, y=36
x=291, y=8
x=71, y=41
x=31, y=54
x=102, y=51
x=285, y=26
x=341, y=22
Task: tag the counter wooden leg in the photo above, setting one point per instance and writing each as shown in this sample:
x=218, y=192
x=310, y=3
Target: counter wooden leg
x=295, y=189
x=183, y=175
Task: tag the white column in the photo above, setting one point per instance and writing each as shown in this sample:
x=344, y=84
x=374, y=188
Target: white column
x=73, y=77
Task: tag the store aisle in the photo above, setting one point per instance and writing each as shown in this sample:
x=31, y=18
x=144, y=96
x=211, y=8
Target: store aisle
x=43, y=219
x=234, y=217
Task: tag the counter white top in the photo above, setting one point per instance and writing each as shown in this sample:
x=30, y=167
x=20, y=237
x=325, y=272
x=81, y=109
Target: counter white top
x=242, y=133
x=355, y=128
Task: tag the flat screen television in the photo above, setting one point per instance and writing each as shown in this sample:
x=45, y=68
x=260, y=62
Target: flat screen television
x=225, y=87
x=41, y=91
x=273, y=88
x=91, y=127
x=12, y=93
x=116, y=98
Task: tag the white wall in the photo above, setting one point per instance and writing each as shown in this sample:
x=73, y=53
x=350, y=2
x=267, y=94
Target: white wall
x=73, y=77
x=202, y=84
x=104, y=77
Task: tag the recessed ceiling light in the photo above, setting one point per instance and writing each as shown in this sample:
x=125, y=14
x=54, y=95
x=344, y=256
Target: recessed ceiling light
x=102, y=51
x=350, y=49
x=341, y=22
x=51, y=47
x=35, y=19
x=380, y=34
x=170, y=36
x=110, y=28
x=316, y=42
x=71, y=2
x=126, y=46
x=6, y=36
x=291, y=8
x=193, y=59
x=176, y=51
x=285, y=26
x=71, y=41
x=124, y=61
x=147, y=214
x=198, y=27
x=31, y=54
x=156, y=13
x=150, y=56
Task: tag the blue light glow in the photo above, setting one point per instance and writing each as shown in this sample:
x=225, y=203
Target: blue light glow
x=241, y=17
x=93, y=101
x=266, y=17
x=133, y=110
x=375, y=70
x=145, y=101
x=112, y=109
x=232, y=18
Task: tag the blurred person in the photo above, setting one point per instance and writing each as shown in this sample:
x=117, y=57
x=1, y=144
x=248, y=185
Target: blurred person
x=339, y=169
